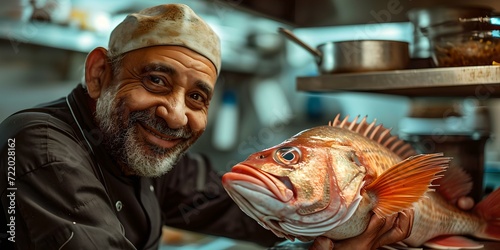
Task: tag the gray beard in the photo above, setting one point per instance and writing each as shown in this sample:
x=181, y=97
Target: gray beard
x=122, y=142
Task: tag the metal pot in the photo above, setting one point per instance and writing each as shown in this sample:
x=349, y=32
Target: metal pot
x=356, y=55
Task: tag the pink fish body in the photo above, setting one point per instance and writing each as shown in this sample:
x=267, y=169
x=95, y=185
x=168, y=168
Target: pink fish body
x=328, y=180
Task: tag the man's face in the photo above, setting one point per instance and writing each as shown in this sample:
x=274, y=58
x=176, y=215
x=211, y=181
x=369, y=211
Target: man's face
x=155, y=107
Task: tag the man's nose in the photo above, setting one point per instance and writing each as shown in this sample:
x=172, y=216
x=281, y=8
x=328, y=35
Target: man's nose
x=173, y=111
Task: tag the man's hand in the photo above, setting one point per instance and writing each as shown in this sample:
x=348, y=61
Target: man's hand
x=380, y=232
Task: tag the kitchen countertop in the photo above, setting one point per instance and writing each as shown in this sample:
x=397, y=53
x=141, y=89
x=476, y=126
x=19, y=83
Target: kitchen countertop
x=213, y=243
x=220, y=243
x=488, y=245
x=178, y=239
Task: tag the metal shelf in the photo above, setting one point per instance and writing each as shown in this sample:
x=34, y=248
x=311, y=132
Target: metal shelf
x=236, y=56
x=50, y=35
x=477, y=81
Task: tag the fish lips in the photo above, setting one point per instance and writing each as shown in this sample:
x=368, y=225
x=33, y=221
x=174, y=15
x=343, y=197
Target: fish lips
x=279, y=187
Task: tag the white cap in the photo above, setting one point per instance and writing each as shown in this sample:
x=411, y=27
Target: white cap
x=168, y=24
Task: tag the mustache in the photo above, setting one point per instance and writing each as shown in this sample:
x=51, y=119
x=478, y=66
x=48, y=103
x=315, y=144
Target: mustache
x=158, y=124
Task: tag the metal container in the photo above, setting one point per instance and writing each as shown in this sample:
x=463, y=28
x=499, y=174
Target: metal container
x=356, y=55
x=425, y=17
x=429, y=16
x=474, y=48
x=465, y=41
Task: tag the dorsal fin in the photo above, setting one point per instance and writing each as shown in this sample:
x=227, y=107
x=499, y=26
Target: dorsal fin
x=377, y=133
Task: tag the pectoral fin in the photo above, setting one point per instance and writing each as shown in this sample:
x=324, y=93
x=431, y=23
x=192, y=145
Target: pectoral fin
x=405, y=183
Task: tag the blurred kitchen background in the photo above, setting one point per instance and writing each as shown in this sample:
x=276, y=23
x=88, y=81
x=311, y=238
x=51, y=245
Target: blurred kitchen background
x=43, y=45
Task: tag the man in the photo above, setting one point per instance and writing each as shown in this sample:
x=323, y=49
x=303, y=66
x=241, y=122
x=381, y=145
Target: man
x=95, y=170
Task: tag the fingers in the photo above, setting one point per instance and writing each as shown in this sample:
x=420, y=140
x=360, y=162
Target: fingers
x=465, y=203
x=380, y=232
x=378, y=226
x=377, y=223
x=371, y=236
x=321, y=243
x=405, y=222
x=389, y=223
x=400, y=230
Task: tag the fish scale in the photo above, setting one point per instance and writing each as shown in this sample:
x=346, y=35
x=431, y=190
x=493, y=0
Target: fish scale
x=445, y=218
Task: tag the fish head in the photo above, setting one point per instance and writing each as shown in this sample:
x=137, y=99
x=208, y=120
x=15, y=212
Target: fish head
x=298, y=189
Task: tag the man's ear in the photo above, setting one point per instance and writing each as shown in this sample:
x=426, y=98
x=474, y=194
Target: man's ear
x=98, y=72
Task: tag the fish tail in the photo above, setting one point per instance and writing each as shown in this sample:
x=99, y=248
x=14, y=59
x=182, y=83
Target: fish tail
x=489, y=209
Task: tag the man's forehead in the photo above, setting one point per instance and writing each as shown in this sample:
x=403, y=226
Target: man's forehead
x=161, y=52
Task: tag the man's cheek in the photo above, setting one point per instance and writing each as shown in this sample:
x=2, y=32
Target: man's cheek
x=198, y=123
x=137, y=99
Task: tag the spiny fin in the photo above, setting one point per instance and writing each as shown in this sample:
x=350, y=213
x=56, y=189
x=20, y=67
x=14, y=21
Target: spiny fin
x=454, y=184
x=377, y=133
x=406, y=182
x=489, y=209
x=452, y=242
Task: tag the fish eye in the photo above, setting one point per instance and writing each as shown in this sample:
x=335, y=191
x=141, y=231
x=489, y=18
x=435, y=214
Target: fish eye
x=287, y=155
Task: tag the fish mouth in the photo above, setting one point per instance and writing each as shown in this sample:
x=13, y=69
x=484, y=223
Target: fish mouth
x=276, y=186
x=260, y=195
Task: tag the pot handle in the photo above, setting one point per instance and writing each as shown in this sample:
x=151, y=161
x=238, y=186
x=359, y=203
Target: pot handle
x=288, y=34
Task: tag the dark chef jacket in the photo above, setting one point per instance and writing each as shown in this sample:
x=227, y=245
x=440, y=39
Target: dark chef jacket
x=69, y=192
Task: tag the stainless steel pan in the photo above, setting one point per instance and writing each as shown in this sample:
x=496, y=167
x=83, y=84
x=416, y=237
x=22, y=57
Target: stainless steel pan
x=356, y=55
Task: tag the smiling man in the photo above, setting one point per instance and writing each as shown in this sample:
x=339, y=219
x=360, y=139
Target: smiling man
x=106, y=167
x=95, y=170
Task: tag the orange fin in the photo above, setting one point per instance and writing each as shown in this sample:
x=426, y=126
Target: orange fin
x=489, y=209
x=454, y=184
x=452, y=242
x=378, y=133
x=405, y=183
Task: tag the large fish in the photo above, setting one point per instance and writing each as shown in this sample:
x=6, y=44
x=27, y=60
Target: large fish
x=327, y=181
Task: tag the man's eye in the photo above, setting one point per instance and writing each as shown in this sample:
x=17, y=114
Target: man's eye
x=197, y=97
x=155, y=83
x=156, y=80
x=198, y=101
